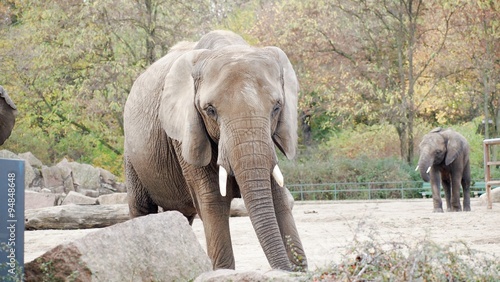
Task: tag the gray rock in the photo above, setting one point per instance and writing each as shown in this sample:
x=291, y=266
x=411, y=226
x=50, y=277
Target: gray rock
x=29, y=174
x=38, y=180
x=495, y=197
x=289, y=195
x=58, y=179
x=35, y=200
x=89, y=193
x=113, y=199
x=157, y=247
x=257, y=276
x=238, y=206
x=109, y=181
x=85, y=176
x=78, y=199
x=29, y=157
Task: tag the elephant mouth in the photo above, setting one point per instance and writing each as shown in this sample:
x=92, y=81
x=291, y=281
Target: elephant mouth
x=277, y=175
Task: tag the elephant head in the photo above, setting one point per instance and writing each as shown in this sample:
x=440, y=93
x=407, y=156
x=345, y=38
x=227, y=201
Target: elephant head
x=242, y=101
x=438, y=147
x=8, y=112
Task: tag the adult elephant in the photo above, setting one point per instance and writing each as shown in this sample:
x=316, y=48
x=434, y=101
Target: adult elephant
x=200, y=128
x=8, y=112
x=444, y=157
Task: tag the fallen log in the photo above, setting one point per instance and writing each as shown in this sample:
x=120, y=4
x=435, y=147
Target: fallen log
x=75, y=216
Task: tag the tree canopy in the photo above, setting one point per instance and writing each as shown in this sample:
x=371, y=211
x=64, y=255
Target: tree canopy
x=69, y=65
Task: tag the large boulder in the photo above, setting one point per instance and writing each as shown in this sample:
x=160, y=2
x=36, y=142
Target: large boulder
x=236, y=275
x=36, y=200
x=110, y=182
x=113, y=199
x=157, y=247
x=85, y=176
x=238, y=207
x=34, y=161
x=78, y=199
x=58, y=179
x=495, y=197
x=29, y=173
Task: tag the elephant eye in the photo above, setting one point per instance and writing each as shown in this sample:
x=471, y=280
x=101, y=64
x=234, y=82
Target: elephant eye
x=276, y=109
x=211, y=111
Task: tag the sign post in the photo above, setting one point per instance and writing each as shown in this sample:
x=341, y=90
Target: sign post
x=11, y=220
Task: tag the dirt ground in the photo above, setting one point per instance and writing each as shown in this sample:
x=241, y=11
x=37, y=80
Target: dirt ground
x=327, y=229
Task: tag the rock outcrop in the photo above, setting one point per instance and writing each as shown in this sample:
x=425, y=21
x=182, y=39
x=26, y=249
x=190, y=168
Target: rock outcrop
x=157, y=247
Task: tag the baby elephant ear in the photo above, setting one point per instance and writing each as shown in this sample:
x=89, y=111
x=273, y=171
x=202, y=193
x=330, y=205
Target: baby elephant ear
x=178, y=115
x=453, y=149
x=285, y=135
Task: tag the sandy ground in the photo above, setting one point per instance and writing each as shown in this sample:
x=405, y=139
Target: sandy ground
x=327, y=229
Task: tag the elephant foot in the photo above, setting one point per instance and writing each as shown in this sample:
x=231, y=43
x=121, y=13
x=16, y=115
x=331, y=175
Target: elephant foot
x=438, y=210
x=467, y=209
x=456, y=209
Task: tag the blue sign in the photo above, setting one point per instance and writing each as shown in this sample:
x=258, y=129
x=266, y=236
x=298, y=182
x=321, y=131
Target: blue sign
x=11, y=220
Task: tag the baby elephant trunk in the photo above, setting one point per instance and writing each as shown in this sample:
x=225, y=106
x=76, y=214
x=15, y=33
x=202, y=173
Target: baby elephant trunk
x=424, y=168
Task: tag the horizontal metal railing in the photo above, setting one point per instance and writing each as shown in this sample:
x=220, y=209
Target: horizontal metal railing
x=358, y=190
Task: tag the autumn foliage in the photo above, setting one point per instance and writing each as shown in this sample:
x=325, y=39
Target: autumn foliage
x=392, y=67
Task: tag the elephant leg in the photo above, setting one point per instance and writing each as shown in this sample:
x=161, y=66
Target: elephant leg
x=447, y=192
x=288, y=229
x=436, y=193
x=214, y=211
x=455, y=193
x=466, y=187
x=140, y=203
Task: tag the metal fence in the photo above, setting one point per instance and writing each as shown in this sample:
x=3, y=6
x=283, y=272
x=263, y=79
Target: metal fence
x=365, y=190
x=357, y=190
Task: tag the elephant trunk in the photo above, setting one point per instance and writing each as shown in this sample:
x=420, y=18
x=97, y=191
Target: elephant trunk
x=424, y=166
x=252, y=159
x=258, y=199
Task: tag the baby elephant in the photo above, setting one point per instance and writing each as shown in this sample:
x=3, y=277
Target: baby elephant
x=444, y=156
x=8, y=112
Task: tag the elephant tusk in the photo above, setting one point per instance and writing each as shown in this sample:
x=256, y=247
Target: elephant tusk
x=429, y=169
x=416, y=168
x=278, y=176
x=222, y=180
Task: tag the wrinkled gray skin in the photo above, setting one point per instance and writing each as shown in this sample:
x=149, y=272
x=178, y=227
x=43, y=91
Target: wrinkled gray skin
x=446, y=152
x=8, y=112
x=217, y=102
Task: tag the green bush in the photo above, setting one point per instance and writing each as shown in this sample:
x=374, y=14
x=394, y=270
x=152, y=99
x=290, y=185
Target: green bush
x=362, y=169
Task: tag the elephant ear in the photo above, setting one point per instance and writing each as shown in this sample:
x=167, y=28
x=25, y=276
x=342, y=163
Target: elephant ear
x=453, y=149
x=285, y=136
x=178, y=114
